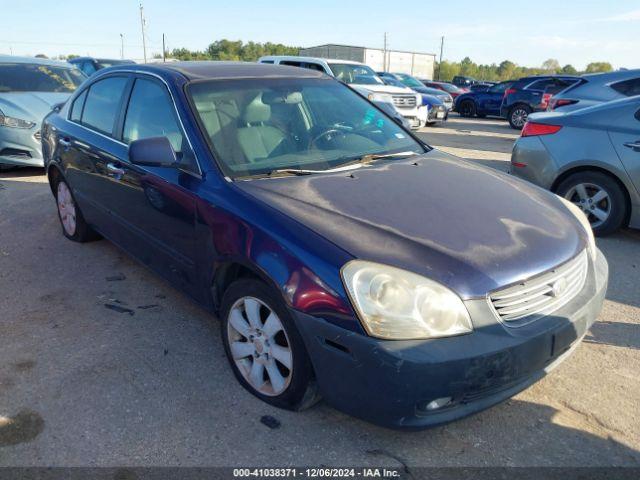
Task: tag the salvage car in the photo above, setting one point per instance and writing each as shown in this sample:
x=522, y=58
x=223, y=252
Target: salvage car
x=345, y=258
x=29, y=89
x=590, y=156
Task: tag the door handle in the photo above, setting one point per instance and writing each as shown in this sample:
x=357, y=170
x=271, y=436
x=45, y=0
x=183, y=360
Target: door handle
x=65, y=142
x=634, y=146
x=114, y=170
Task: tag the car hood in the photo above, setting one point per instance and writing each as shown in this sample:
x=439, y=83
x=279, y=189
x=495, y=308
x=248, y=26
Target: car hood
x=33, y=106
x=469, y=227
x=431, y=100
x=382, y=88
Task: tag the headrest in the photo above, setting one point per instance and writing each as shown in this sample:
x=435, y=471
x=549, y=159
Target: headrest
x=272, y=97
x=256, y=111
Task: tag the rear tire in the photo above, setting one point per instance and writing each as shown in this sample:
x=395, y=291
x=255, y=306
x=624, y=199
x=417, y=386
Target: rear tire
x=74, y=227
x=518, y=115
x=265, y=349
x=600, y=197
x=467, y=109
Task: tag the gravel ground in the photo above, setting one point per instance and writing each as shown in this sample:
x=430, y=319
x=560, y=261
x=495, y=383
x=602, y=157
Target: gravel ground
x=83, y=385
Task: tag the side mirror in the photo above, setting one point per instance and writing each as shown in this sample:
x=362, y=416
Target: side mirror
x=153, y=152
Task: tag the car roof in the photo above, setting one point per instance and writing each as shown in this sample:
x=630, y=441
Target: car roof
x=211, y=70
x=611, y=76
x=33, y=61
x=82, y=59
x=296, y=58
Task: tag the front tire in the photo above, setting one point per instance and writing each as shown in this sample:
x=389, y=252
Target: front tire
x=600, y=197
x=518, y=115
x=265, y=349
x=73, y=224
x=467, y=109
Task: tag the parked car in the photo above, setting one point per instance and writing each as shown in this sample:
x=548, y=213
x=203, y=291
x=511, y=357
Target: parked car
x=29, y=89
x=591, y=157
x=596, y=88
x=344, y=257
x=445, y=87
x=90, y=65
x=463, y=82
x=364, y=80
x=481, y=102
x=438, y=111
x=480, y=86
x=417, y=86
x=526, y=96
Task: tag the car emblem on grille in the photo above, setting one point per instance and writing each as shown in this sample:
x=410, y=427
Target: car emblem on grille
x=558, y=287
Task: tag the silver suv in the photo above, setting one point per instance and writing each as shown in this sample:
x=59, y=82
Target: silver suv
x=596, y=88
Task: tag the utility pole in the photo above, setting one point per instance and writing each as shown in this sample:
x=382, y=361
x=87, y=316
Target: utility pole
x=384, y=60
x=440, y=64
x=164, y=58
x=122, y=46
x=144, y=40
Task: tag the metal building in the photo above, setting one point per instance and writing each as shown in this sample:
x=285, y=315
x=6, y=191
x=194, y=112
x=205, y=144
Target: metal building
x=414, y=63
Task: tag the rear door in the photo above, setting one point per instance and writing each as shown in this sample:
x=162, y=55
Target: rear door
x=491, y=99
x=625, y=135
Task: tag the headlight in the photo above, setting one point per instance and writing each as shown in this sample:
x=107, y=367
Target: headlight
x=579, y=214
x=380, y=97
x=15, y=122
x=398, y=305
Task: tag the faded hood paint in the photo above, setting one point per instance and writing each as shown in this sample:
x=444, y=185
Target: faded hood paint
x=469, y=227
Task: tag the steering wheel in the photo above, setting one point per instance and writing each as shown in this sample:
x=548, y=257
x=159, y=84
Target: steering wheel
x=327, y=134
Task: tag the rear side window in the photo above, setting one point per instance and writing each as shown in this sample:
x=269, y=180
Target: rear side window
x=76, y=108
x=291, y=63
x=88, y=68
x=627, y=87
x=151, y=113
x=266, y=61
x=314, y=66
x=541, y=84
x=103, y=103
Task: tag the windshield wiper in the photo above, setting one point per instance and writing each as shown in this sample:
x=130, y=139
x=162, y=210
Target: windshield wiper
x=371, y=157
x=291, y=171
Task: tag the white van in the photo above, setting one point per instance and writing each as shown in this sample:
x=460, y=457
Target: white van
x=364, y=80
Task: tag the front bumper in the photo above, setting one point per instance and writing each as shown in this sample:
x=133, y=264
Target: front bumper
x=437, y=114
x=389, y=383
x=20, y=147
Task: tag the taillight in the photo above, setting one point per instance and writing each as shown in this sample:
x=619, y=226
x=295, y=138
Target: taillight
x=545, y=101
x=509, y=91
x=560, y=102
x=532, y=129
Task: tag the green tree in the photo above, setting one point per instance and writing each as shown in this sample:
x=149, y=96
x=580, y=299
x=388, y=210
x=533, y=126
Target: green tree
x=595, y=67
x=569, y=70
x=551, y=65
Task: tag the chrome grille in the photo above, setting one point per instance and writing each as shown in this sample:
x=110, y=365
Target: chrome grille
x=407, y=101
x=538, y=296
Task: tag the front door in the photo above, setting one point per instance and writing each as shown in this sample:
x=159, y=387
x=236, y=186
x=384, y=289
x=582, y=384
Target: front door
x=625, y=135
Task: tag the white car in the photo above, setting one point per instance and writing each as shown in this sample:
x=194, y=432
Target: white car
x=365, y=81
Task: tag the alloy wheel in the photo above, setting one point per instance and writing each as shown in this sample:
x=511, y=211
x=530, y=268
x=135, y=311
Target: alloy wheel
x=259, y=345
x=66, y=209
x=593, y=200
x=519, y=117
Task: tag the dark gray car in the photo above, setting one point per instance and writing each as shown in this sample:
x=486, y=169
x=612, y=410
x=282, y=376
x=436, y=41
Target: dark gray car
x=590, y=157
x=594, y=89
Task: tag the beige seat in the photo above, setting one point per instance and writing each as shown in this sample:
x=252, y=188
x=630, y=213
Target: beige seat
x=258, y=139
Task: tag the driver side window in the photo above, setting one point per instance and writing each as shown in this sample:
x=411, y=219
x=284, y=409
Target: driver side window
x=151, y=113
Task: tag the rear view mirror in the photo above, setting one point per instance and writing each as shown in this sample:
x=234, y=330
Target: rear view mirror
x=153, y=152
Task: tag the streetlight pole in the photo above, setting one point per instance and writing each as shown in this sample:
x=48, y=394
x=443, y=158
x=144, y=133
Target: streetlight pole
x=144, y=40
x=122, y=46
x=384, y=60
x=440, y=64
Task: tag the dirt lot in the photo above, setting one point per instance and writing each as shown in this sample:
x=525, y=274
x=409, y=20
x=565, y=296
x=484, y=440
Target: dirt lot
x=81, y=384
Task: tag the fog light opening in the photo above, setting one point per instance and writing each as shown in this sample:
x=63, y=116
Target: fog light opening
x=438, y=403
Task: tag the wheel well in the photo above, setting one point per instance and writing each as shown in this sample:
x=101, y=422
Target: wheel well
x=519, y=104
x=225, y=275
x=53, y=174
x=591, y=168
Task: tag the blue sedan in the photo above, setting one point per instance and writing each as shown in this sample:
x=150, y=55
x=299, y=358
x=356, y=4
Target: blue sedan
x=345, y=259
x=481, y=102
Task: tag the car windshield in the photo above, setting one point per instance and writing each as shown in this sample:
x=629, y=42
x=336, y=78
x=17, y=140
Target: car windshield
x=409, y=81
x=353, y=73
x=24, y=77
x=257, y=126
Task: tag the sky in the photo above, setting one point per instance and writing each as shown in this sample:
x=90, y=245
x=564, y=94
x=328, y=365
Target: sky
x=527, y=33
